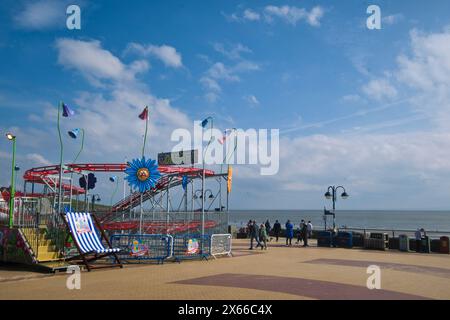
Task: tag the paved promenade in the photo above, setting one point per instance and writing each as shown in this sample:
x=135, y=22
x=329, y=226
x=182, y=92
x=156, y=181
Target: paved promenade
x=278, y=273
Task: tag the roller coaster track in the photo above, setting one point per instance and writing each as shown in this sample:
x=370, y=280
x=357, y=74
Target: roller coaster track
x=171, y=177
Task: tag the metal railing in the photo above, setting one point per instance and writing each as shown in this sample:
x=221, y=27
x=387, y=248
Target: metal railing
x=221, y=244
x=160, y=222
x=138, y=247
x=396, y=232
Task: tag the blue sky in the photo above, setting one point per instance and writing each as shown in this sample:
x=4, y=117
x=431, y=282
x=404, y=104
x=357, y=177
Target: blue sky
x=359, y=107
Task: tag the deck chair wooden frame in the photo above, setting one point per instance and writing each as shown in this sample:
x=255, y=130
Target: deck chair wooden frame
x=87, y=258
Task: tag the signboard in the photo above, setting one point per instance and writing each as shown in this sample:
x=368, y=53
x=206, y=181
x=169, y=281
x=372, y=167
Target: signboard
x=178, y=158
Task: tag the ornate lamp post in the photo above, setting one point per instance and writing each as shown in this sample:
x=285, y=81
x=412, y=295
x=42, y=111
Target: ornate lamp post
x=332, y=194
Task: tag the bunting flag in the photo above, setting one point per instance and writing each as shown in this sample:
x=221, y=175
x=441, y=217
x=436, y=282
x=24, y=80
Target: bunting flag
x=204, y=122
x=67, y=112
x=184, y=182
x=144, y=114
x=229, y=178
x=226, y=133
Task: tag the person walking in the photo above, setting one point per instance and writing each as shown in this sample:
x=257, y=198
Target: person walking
x=310, y=229
x=289, y=232
x=418, y=236
x=263, y=236
x=276, y=229
x=305, y=234
x=299, y=232
x=254, y=235
x=249, y=228
x=268, y=227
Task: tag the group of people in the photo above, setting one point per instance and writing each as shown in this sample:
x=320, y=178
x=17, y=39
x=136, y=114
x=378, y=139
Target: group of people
x=261, y=233
x=304, y=231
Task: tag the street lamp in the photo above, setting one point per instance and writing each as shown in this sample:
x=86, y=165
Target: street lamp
x=74, y=135
x=66, y=112
x=116, y=180
x=204, y=124
x=331, y=194
x=12, y=190
x=95, y=198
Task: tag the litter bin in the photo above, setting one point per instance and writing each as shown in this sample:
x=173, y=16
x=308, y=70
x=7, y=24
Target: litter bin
x=403, y=243
x=343, y=240
x=425, y=245
x=324, y=239
x=444, y=245
x=377, y=241
x=358, y=239
x=394, y=243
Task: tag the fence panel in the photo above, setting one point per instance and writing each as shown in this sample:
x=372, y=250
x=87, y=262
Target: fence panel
x=220, y=244
x=142, y=247
x=191, y=247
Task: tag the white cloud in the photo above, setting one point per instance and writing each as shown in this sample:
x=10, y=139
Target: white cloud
x=293, y=15
x=392, y=19
x=252, y=100
x=94, y=62
x=380, y=89
x=219, y=72
x=109, y=115
x=426, y=71
x=43, y=14
x=233, y=52
x=289, y=14
x=351, y=98
x=38, y=159
x=251, y=15
x=167, y=54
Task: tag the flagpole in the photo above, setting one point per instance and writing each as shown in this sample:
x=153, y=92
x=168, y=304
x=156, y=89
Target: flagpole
x=145, y=135
x=60, y=161
x=143, y=154
x=203, y=181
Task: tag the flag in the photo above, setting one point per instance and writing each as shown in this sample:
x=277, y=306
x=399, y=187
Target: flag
x=204, y=122
x=184, y=182
x=229, y=178
x=67, y=112
x=226, y=133
x=144, y=114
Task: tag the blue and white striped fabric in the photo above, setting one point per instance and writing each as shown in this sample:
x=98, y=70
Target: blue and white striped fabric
x=84, y=233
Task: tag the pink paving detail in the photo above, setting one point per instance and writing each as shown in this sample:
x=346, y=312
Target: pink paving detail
x=435, y=271
x=309, y=288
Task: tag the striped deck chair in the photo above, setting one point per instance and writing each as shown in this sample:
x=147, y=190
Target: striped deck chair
x=84, y=233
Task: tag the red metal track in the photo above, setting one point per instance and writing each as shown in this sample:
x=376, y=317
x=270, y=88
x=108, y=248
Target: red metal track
x=39, y=174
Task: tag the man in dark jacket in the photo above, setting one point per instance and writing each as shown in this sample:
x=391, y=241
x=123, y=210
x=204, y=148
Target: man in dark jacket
x=276, y=229
x=304, y=232
x=254, y=234
x=268, y=227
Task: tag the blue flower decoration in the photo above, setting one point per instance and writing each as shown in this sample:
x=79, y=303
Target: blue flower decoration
x=142, y=174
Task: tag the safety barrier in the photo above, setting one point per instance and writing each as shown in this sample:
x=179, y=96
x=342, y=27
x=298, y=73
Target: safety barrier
x=135, y=247
x=191, y=247
x=220, y=245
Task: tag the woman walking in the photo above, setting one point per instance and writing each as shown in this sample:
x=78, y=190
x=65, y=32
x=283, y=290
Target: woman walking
x=263, y=236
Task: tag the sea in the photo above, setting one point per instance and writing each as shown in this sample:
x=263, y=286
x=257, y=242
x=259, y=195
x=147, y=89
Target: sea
x=438, y=221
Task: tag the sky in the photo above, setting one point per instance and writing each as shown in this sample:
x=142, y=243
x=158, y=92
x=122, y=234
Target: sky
x=366, y=109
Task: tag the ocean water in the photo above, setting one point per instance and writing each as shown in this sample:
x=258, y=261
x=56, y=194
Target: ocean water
x=429, y=220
